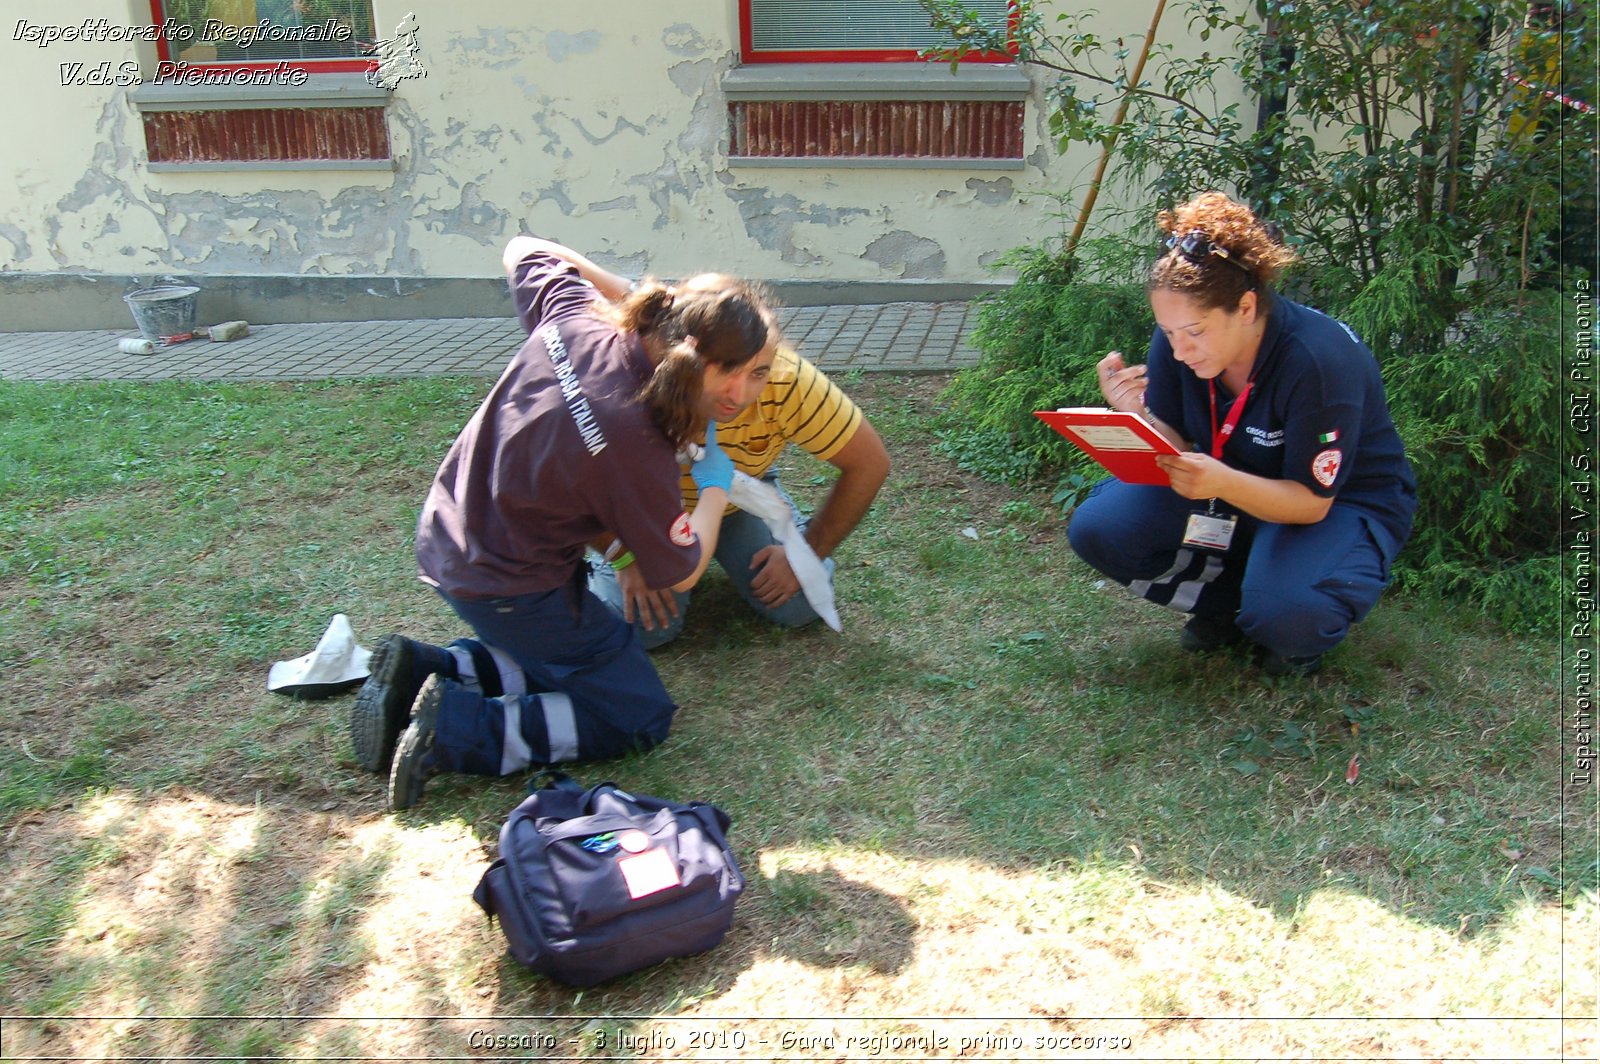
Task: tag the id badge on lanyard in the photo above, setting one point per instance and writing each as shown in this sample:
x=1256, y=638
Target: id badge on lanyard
x=1211, y=530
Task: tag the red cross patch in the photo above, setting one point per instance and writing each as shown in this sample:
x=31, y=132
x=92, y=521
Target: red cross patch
x=681, y=533
x=1325, y=466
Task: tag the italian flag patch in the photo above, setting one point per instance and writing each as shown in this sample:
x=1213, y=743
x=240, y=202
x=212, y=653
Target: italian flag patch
x=1328, y=437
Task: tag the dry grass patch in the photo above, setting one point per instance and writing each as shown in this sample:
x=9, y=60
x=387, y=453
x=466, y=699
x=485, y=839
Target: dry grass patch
x=998, y=794
x=366, y=923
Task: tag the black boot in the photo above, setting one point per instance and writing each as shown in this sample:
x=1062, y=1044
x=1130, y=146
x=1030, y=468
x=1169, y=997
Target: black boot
x=414, y=763
x=1275, y=664
x=383, y=705
x=1206, y=632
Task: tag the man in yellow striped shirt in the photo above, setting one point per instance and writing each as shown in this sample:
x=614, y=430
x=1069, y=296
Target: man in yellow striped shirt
x=777, y=398
x=774, y=399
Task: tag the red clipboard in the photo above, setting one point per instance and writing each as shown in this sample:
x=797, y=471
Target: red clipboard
x=1125, y=444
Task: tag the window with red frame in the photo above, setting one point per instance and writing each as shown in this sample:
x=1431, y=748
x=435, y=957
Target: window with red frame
x=898, y=111
x=319, y=36
x=233, y=87
x=848, y=31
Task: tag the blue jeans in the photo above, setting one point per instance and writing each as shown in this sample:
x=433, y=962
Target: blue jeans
x=742, y=536
x=1296, y=589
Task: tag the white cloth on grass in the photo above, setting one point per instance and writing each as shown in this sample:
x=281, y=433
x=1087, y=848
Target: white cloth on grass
x=337, y=663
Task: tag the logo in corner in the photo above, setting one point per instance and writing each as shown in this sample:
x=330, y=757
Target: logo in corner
x=1325, y=466
x=396, y=60
x=681, y=533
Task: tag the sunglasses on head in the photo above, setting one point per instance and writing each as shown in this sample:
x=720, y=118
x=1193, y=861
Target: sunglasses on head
x=1196, y=247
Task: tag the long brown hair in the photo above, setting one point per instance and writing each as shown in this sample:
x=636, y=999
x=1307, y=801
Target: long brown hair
x=710, y=318
x=1217, y=250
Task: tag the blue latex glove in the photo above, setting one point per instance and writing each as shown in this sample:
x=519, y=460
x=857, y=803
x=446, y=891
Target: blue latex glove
x=714, y=469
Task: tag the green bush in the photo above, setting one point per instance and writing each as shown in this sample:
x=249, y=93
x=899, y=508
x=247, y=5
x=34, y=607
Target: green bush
x=1427, y=212
x=1476, y=415
x=1041, y=339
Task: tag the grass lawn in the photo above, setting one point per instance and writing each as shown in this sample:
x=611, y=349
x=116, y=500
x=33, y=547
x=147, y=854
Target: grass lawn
x=1000, y=817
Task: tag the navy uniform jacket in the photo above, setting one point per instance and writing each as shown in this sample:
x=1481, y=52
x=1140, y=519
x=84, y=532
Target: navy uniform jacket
x=1316, y=415
x=559, y=452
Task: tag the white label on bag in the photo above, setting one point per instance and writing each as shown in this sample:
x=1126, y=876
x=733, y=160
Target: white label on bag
x=648, y=872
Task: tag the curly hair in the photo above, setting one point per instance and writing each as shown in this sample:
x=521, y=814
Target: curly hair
x=710, y=318
x=1216, y=252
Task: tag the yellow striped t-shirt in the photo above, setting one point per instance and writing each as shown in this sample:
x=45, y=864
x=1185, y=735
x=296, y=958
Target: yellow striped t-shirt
x=799, y=405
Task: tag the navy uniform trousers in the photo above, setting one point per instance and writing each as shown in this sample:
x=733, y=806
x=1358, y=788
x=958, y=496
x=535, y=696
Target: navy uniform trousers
x=1296, y=589
x=572, y=683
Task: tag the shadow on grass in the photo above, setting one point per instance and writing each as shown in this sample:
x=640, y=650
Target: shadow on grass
x=1040, y=755
x=1000, y=776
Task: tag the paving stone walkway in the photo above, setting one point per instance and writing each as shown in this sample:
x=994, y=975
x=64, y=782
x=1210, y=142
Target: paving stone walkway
x=884, y=337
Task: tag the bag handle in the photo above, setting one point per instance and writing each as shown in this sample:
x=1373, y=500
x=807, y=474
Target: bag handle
x=709, y=814
x=717, y=817
x=554, y=779
x=551, y=794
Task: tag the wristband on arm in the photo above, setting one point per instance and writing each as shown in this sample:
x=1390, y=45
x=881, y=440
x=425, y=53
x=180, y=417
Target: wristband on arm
x=618, y=556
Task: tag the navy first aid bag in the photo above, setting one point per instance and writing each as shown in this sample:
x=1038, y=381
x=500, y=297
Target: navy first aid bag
x=592, y=884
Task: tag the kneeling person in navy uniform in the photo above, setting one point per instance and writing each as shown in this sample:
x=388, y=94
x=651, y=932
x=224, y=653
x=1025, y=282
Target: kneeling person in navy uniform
x=1294, y=494
x=578, y=437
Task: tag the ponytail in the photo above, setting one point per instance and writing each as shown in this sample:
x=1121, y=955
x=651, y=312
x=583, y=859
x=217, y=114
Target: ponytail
x=673, y=394
x=709, y=319
x=641, y=310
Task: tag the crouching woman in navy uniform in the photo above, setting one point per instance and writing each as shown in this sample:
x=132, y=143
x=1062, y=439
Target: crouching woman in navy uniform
x=1293, y=494
x=576, y=441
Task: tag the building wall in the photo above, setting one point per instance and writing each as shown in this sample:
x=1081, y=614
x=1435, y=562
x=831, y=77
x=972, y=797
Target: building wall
x=530, y=119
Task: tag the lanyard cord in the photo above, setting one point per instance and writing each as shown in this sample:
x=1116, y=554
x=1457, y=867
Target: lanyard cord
x=1220, y=436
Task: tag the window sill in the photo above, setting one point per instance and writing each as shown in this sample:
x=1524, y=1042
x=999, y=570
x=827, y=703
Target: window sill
x=319, y=90
x=199, y=166
x=876, y=162
x=876, y=81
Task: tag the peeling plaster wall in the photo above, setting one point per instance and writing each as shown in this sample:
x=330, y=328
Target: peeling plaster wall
x=531, y=118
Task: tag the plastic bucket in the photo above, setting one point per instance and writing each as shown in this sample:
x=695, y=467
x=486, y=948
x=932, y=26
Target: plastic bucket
x=163, y=311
